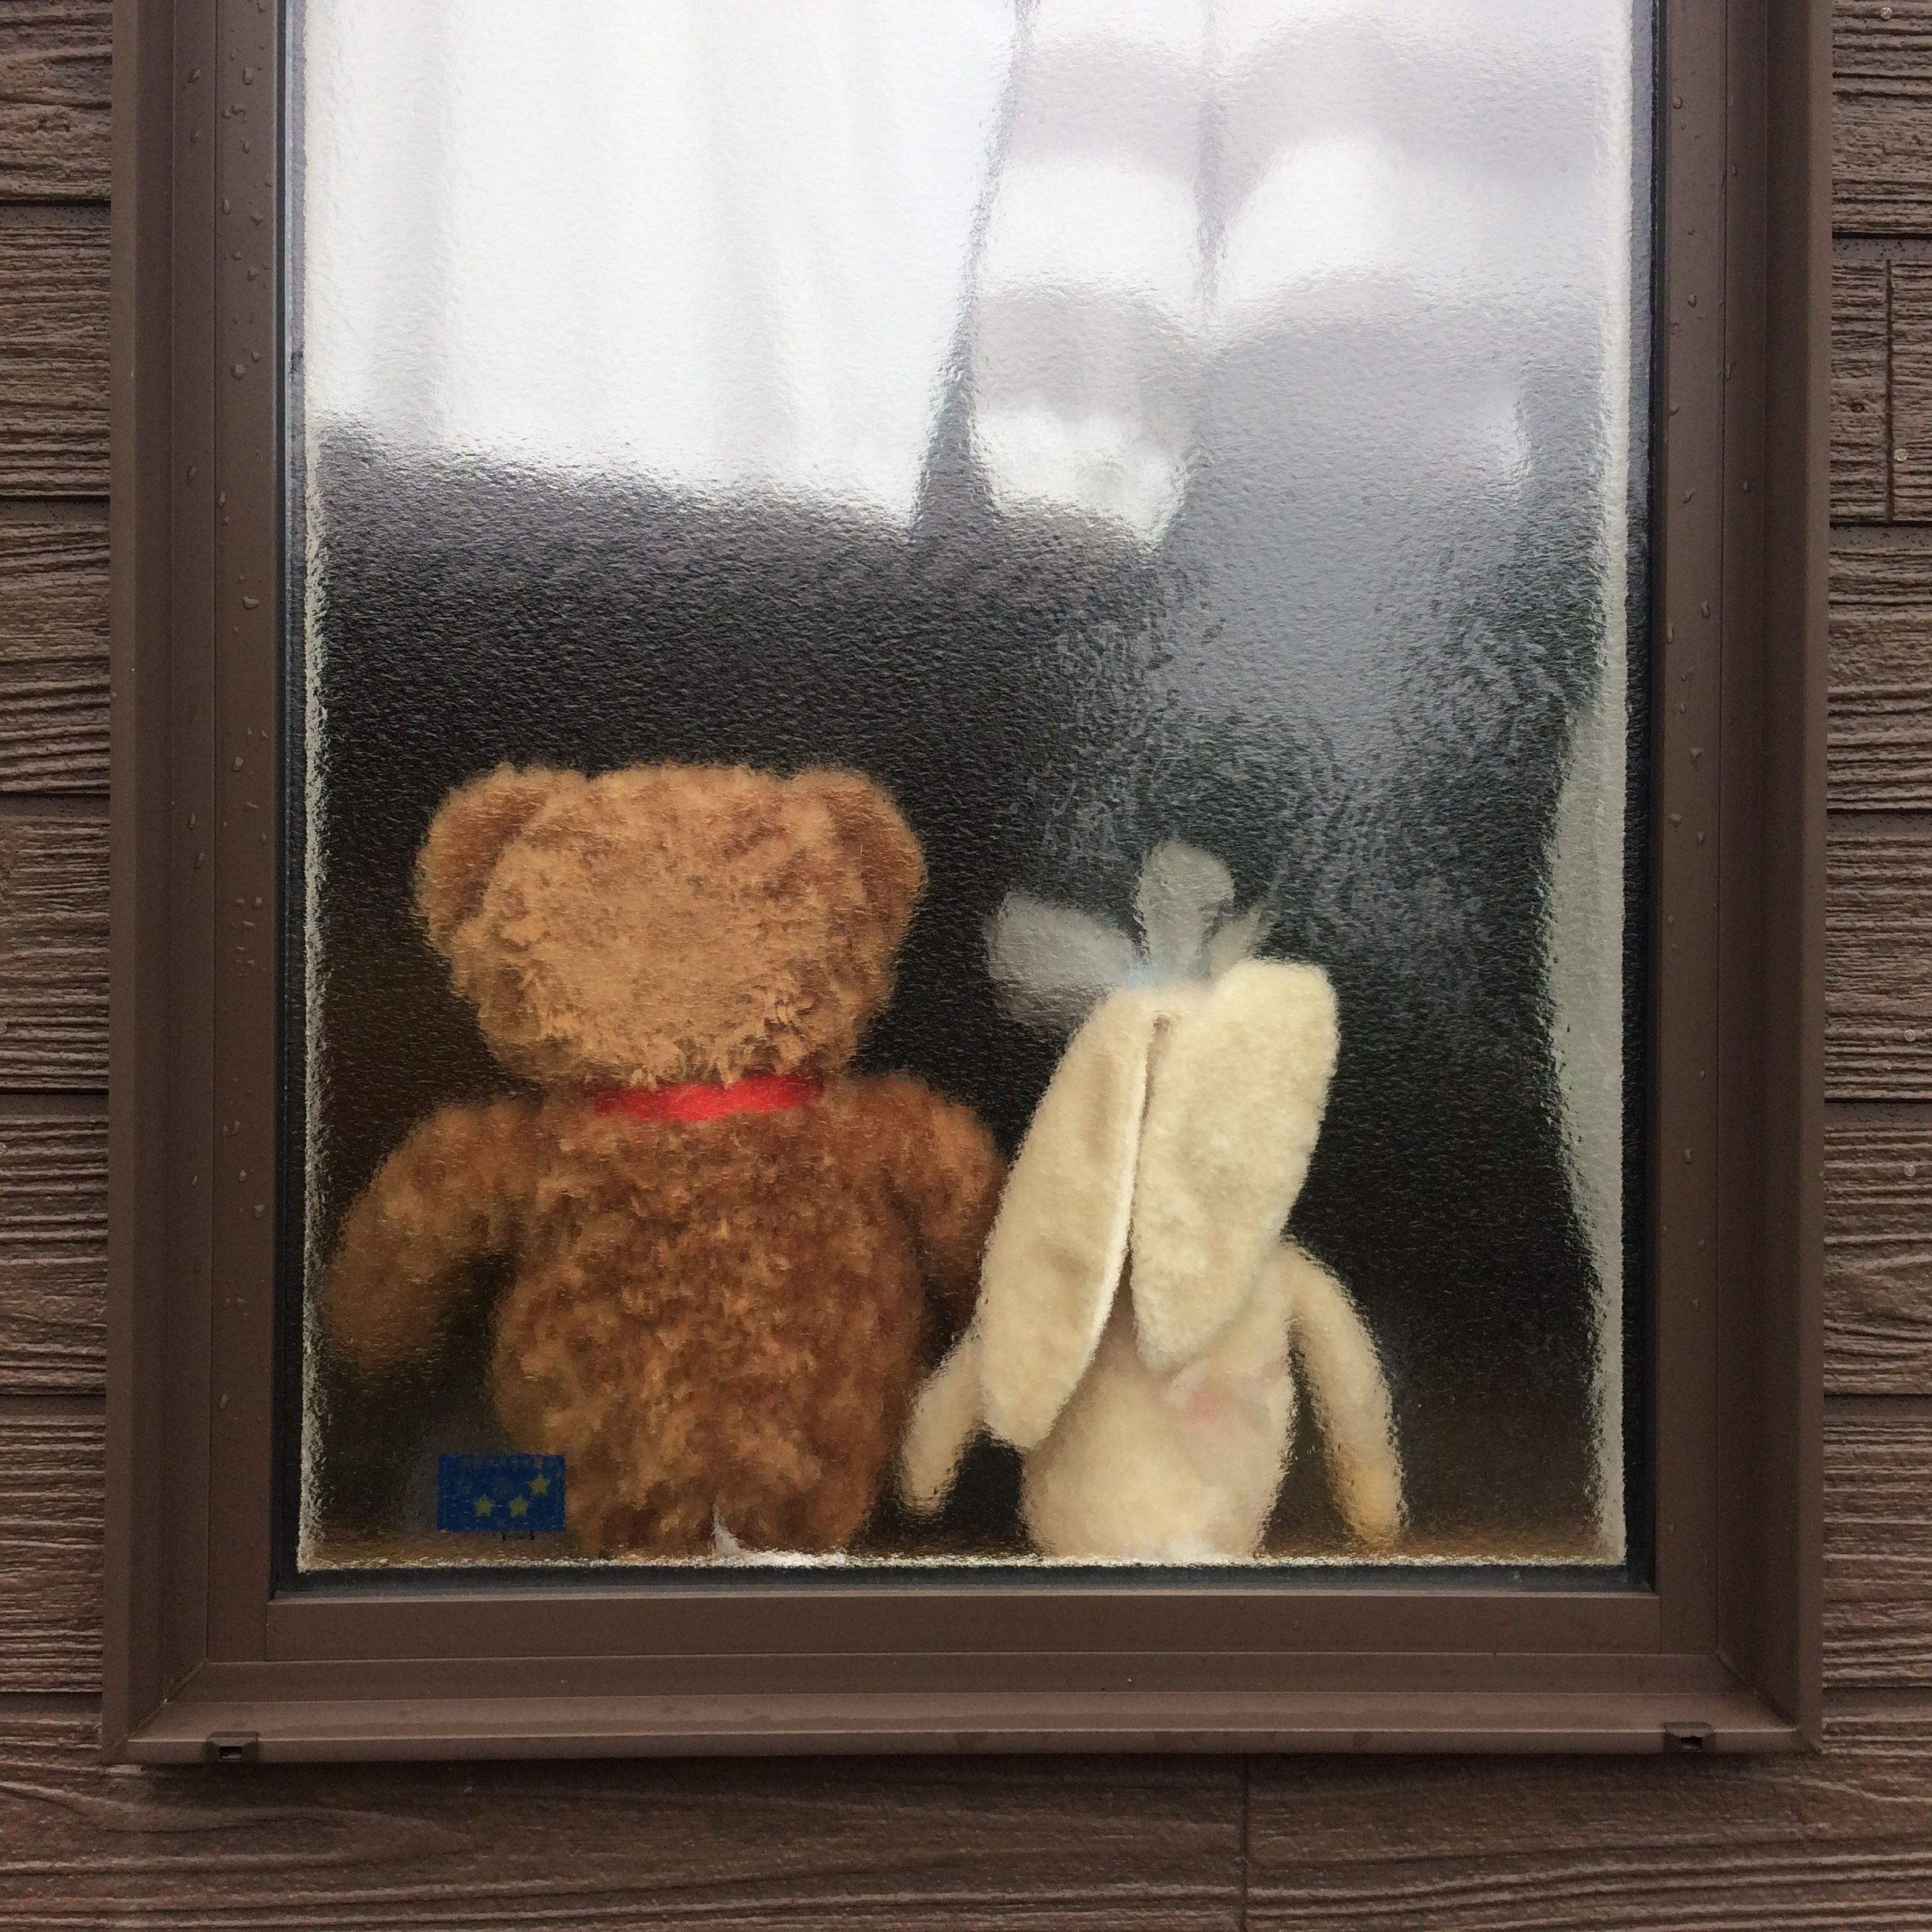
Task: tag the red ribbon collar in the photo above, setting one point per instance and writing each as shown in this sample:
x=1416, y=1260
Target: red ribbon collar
x=705, y=1100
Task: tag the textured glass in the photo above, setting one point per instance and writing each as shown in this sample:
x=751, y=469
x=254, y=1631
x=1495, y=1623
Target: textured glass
x=1104, y=423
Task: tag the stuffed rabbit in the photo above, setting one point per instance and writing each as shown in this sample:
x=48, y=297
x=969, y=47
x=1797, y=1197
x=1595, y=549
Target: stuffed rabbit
x=1162, y=1160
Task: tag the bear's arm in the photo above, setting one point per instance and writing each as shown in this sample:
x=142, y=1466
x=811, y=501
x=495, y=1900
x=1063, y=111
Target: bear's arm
x=451, y=1193
x=944, y=1169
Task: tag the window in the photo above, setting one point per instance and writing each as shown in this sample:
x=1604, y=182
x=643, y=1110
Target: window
x=1230, y=426
x=980, y=929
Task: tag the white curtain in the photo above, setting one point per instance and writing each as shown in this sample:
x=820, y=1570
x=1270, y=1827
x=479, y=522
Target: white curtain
x=717, y=243
x=738, y=243
x=1176, y=177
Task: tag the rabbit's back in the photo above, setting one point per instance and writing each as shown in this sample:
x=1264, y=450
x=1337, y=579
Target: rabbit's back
x=1169, y=1468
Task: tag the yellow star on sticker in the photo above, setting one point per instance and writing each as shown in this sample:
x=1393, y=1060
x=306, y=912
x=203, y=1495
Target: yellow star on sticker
x=483, y=1506
x=518, y=1506
x=540, y=1485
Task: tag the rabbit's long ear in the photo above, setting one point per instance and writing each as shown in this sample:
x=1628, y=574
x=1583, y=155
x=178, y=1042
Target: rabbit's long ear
x=1054, y=965
x=1053, y=1258
x=1237, y=1097
x=1183, y=891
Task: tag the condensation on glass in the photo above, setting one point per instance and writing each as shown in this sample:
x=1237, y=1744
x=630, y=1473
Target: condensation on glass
x=1108, y=425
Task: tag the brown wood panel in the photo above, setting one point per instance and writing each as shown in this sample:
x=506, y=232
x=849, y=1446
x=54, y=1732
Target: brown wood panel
x=53, y=953
x=1910, y=336
x=1878, y=1545
x=1881, y=167
x=1517, y=1845
x=1881, y=163
x=51, y=1528
x=1878, y=958
x=1878, y=1251
x=1096, y=1843
x=54, y=352
x=1888, y=41
x=53, y=1254
x=55, y=65
x=53, y=658
x=1881, y=672
x=1653, y=1844
x=1861, y=471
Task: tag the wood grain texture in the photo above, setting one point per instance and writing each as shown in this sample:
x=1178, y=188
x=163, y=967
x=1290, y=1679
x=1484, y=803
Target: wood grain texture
x=1880, y=718
x=1881, y=161
x=594, y=1848
x=1886, y=41
x=1650, y=1844
x=1861, y=471
x=53, y=953
x=53, y=658
x=54, y=353
x=1878, y=1251
x=1878, y=960
x=50, y=1529
x=1878, y=1546
x=53, y=1255
x=56, y=62
x=1476, y=1845
x=1910, y=339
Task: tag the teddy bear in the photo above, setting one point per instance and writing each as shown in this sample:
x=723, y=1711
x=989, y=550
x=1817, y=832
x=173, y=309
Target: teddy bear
x=728, y=1255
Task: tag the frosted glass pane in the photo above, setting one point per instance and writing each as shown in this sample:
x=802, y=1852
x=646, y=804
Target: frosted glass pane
x=1192, y=456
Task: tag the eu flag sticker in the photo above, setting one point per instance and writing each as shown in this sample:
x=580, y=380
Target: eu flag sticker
x=503, y=1494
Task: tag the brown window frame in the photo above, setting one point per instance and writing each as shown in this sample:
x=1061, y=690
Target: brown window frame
x=1723, y=1651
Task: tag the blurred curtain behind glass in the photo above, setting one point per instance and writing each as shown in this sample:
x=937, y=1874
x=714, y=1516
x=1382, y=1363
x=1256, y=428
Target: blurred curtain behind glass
x=1315, y=312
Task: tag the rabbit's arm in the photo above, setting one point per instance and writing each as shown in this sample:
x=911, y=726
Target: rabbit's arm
x=1350, y=1396
x=451, y=1194
x=944, y=1169
x=944, y=1418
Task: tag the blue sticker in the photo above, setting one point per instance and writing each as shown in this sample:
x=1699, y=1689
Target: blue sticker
x=501, y=1495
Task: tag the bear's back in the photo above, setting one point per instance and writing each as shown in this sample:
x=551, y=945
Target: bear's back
x=715, y=1300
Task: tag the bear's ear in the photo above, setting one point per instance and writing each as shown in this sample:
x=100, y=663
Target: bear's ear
x=885, y=855
x=467, y=836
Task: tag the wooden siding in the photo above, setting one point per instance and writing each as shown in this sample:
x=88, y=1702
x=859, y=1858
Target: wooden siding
x=53, y=655
x=54, y=71
x=52, y=1249
x=54, y=952
x=50, y=1505
x=1861, y=451
x=1530, y=1845
x=1878, y=1251
x=54, y=351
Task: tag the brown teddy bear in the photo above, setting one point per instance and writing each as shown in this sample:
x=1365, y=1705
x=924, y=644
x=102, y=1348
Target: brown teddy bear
x=719, y=1240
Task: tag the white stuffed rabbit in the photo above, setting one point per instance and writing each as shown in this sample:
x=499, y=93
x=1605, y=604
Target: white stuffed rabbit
x=1164, y=1160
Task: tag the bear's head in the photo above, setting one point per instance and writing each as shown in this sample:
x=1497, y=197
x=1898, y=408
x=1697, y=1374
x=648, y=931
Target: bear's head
x=669, y=922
